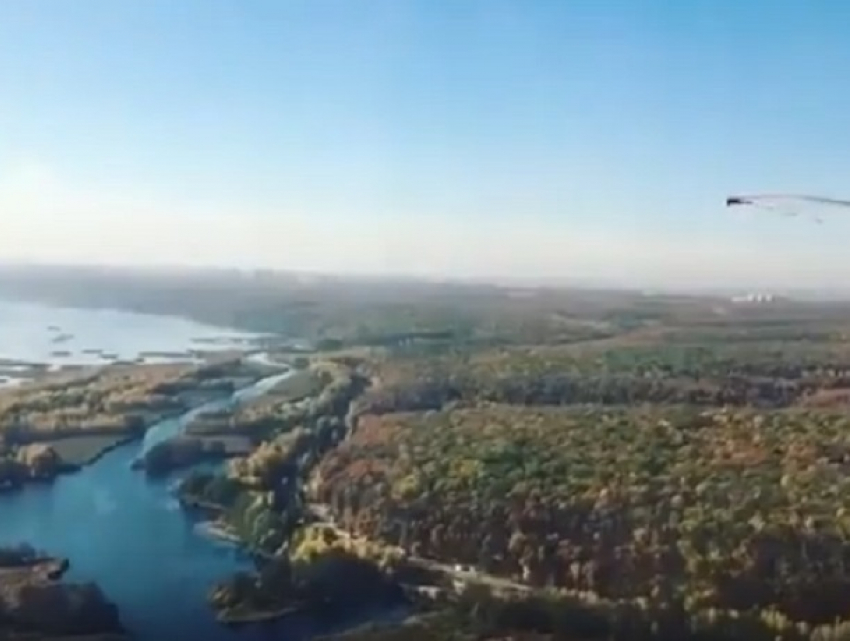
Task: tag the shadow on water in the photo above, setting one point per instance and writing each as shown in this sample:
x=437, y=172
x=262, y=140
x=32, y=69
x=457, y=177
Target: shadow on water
x=128, y=533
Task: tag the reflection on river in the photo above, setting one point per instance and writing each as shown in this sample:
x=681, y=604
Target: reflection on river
x=128, y=533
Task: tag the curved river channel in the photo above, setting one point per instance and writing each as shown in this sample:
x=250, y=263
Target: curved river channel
x=129, y=534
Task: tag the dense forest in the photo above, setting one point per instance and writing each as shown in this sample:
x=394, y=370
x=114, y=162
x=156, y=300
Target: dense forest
x=766, y=374
x=726, y=508
x=674, y=478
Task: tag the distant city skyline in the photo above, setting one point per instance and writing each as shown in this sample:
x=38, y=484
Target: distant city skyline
x=538, y=141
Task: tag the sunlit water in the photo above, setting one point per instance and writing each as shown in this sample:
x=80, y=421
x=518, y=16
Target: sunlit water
x=121, y=529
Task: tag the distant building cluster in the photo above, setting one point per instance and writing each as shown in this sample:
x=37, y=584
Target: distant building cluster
x=754, y=298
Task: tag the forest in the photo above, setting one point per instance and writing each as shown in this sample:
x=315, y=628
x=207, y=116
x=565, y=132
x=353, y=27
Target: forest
x=681, y=480
x=728, y=507
x=647, y=369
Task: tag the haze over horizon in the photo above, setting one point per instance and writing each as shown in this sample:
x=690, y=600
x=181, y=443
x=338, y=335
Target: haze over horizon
x=542, y=140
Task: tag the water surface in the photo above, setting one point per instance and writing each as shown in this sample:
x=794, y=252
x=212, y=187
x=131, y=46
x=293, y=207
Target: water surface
x=117, y=527
x=34, y=333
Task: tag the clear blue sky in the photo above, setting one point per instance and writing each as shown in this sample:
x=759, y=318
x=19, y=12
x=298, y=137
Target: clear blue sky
x=490, y=137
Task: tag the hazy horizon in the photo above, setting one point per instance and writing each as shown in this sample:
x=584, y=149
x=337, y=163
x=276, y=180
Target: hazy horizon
x=52, y=271
x=428, y=139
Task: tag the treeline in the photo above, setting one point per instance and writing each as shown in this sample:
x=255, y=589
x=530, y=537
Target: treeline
x=694, y=375
x=333, y=309
x=565, y=389
x=331, y=585
x=478, y=616
x=319, y=570
x=584, y=616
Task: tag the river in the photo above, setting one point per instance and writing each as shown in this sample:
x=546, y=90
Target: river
x=128, y=533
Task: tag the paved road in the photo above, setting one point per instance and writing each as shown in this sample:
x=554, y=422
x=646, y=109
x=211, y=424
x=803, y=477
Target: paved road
x=323, y=516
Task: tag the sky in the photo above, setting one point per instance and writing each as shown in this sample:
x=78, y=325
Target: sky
x=585, y=141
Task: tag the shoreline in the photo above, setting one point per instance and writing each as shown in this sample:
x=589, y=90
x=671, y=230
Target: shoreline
x=49, y=571
x=77, y=451
x=192, y=502
x=247, y=618
x=70, y=468
x=110, y=444
x=222, y=531
x=106, y=449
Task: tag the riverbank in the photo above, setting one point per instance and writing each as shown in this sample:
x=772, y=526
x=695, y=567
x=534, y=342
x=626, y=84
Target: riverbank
x=299, y=436
x=126, y=531
x=252, y=616
x=257, y=504
x=264, y=412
